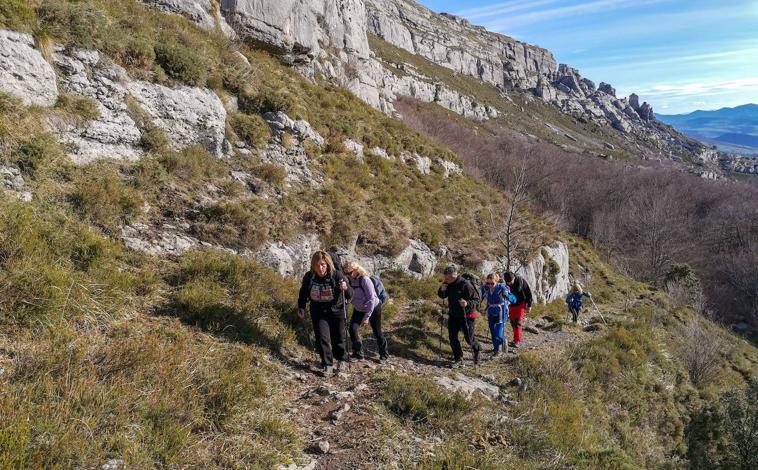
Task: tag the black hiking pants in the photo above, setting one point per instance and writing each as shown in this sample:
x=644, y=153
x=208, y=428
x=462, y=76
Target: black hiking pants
x=329, y=330
x=375, y=320
x=454, y=326
x=574, y=313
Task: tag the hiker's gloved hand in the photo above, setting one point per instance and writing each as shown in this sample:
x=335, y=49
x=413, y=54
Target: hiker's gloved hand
x=301, y=313
x=343, y=285
x=462, y=303
x=589, y=295
x=364, y=322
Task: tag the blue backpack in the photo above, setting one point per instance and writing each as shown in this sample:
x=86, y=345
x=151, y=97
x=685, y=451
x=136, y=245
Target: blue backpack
x=575, y=300
x=381, y=292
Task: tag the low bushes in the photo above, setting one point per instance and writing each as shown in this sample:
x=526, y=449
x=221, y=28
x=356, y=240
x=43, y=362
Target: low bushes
x=251, y=129
x=420, y=400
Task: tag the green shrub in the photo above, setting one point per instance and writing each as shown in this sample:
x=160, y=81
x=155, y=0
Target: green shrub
x=9, y=104
x=56, y=268
x=17, y=15
x=139, y=53
x=272, y=173
x=267, y=99
x=100, y=195
x=235, y=224
x=234, y=297
x=40, y=154
x=153, y=139
x=82, y=107
x=418, y=400
x=191, y=164
x=80, y=24
x=181, y=63
x=251, y=129
x=456, y=456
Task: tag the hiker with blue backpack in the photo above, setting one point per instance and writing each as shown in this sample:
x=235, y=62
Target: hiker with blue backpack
x=368, y=296
x=574, y=300
x=498, y=297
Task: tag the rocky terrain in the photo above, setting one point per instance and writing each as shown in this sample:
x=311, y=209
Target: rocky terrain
x=165, y=178
x=332, y=39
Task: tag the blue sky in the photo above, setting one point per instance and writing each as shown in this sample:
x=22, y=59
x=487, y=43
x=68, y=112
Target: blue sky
x=678, y=55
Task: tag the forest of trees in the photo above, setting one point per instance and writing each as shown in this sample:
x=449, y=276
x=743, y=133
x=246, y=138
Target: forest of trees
x=656, y=223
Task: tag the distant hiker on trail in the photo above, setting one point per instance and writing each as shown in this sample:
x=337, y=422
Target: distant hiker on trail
x=574, y=300
x=498, y=296
x=367, y=308
x=523, y=304
x=327, y=291
x=463, y=299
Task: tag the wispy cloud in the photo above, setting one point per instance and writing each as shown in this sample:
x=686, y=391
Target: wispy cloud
x=699, y=89
x=498, y=22
x=499, y=9
x=675, y=57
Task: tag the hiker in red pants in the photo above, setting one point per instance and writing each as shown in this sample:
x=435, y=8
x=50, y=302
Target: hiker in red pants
x=523, y=305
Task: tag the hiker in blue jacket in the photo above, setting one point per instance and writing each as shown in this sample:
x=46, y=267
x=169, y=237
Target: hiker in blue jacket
x=574, y=300
x=498, y=296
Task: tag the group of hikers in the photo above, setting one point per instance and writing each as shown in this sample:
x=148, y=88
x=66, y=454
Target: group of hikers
x=328, y=287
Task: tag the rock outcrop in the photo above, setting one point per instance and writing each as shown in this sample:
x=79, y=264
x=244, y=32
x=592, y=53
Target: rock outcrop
x=468, y=386
x=24, y=73
x=737, y=164
x=330, y=38
x=12, y=182
x=188, y=115
x=300, y=30
x=293, y=258
x=547, y=273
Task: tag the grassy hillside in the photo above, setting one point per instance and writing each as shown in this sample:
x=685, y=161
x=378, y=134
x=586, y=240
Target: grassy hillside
x=194, y=361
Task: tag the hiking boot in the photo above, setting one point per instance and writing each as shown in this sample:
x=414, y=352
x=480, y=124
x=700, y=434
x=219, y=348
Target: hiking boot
x=512, y=344
x=384, y=358
x=341, y=366
x=457, y=363
x=327, y=371
x=496, y=353
x=476, y=357
x=357, y=356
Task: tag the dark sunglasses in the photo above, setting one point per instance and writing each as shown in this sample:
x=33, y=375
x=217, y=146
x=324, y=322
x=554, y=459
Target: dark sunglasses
x=490, y=283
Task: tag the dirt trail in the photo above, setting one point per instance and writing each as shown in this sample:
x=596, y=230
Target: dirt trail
x=339, y=410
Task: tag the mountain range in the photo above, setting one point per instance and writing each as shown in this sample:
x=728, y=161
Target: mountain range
x=730, y=129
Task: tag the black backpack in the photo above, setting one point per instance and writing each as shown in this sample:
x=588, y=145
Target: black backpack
x=474, y=281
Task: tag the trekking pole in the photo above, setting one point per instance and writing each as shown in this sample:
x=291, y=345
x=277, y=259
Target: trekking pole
x=442, y=322
x=347, y=332
x=598, y=311
x=308, y=334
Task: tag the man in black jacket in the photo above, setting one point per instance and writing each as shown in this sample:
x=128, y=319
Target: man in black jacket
x=517, y=311
x=462, y=299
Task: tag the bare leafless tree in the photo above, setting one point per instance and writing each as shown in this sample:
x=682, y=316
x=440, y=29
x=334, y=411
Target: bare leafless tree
x=698, y=352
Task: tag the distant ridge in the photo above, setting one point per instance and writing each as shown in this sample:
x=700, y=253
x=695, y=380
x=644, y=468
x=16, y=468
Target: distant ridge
x=736, y=126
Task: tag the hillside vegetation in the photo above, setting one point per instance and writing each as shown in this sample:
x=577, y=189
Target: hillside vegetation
x=199, y=360
x=645, y=219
